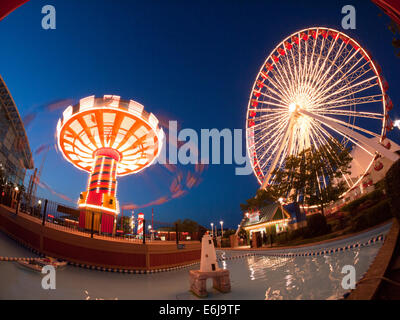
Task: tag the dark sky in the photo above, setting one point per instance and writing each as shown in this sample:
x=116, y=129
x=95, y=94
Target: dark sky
x=191, y=61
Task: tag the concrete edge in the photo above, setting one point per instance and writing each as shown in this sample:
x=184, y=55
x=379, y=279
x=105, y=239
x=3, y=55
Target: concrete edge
x=368, y=286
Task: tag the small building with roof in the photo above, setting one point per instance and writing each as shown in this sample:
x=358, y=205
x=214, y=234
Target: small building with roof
x=281, y=217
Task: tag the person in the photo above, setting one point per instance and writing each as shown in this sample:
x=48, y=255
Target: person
x=265, y=239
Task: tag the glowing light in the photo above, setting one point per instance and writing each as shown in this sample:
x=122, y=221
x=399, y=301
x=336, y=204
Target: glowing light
x=397, y=124
x=101, y=208
x=292, y=107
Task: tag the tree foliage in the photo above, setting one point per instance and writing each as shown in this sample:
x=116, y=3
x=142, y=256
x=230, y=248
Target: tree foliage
x=392, y=187
x=395, y=29
x=188, y=225
x=314, y=176
x=260, y=200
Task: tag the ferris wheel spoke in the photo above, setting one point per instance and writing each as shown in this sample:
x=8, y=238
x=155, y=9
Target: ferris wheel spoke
x=321, y=68
x=264, y=134
x=322, y=173
x=356, y=87
x=281, y=93
x=322, y=81
x=311, y=64
x=322, y=78
x=356, y=114
x=279, y=99
x=265, y=122
x=275, y=135
x=355, y=137
x=283, y=89
x=270, y=110
x=346, y=136
x=274, y=155
x=351, y=79
x=288, y=81
x=348, y=74
x=319, y=60
x=305, y=68
x=352, y=126
x=340, y=102
x=281, y=106
x=291, y=71
x=272, y=120
x=322, y=133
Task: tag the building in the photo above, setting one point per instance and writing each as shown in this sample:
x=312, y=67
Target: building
x=15, y=153
x=282, y=217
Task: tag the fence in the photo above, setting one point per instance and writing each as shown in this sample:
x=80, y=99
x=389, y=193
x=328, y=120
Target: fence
x=59, y=216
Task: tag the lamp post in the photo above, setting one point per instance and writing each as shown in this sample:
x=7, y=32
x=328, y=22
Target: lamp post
x=212, y=230
x=222, y=229
x=39, y=208
x=18, y=199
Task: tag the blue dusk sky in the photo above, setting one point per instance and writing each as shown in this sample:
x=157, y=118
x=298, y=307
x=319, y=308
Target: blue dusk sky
x=190, y=61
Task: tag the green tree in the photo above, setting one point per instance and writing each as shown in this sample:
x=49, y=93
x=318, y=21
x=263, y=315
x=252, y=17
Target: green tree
x=395, y=29
x=260, y=200
x=126, y=224
x=188, y=225
x=392, y=187
x=314, y=176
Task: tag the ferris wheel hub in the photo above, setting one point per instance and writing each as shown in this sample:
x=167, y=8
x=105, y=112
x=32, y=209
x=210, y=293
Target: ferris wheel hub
x=292, y=107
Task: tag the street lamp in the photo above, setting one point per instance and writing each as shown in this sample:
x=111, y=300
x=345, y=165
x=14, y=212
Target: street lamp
x=222, y=229
x=212, y=229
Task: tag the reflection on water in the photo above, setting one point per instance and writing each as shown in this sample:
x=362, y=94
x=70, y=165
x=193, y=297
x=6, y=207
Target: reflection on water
x=90, y=298
x=317, y=277
x=252, y=277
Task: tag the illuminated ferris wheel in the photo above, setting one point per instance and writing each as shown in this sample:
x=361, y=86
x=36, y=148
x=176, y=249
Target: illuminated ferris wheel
x=317, y=85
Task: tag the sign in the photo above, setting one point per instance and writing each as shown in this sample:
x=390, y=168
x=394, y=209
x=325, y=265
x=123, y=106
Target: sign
x=254, y=216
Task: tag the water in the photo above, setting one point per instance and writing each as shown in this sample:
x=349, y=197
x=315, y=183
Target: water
x=253, y=277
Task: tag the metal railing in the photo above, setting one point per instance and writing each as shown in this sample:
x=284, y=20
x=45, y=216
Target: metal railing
x=58, y=216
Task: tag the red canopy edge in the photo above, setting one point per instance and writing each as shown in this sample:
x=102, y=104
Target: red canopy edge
x=8, y=6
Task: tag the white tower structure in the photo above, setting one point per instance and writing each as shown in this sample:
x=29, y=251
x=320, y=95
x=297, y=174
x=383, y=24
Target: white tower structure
x=208, y=261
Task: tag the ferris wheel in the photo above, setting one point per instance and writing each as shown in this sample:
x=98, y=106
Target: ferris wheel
x=318, y=84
